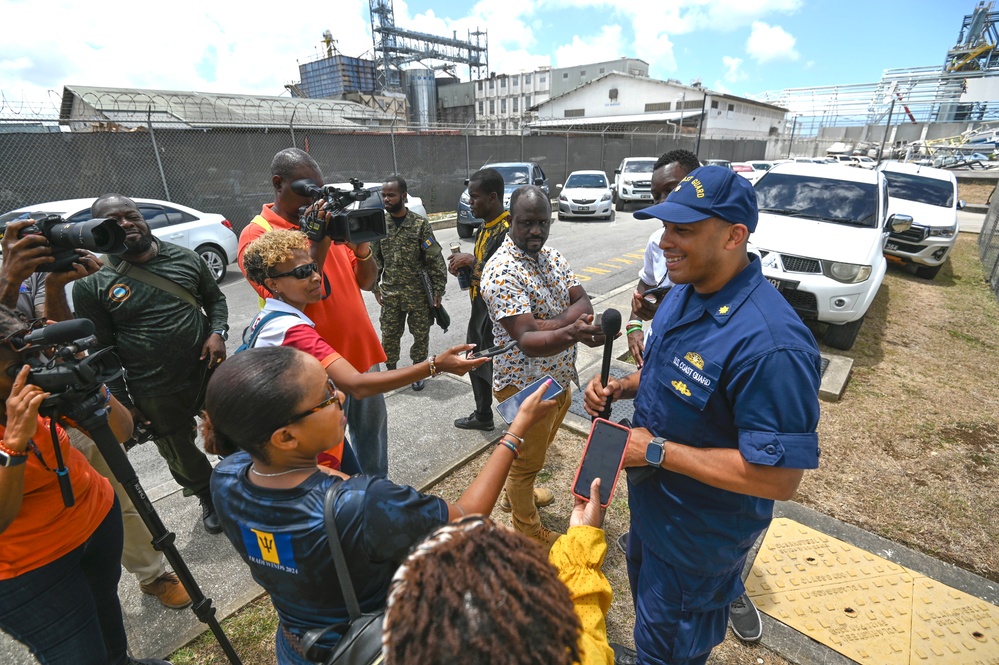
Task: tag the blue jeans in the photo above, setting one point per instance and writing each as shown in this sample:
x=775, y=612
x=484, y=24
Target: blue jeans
x=368, y=422
x=67, y=612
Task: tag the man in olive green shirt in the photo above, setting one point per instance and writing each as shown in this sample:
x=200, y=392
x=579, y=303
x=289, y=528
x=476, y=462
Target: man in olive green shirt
x=166, y=345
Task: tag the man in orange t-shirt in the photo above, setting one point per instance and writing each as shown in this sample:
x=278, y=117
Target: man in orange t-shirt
x=340, y=317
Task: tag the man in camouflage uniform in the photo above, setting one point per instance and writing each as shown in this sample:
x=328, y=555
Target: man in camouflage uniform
x=409, y=248
x=166, y=344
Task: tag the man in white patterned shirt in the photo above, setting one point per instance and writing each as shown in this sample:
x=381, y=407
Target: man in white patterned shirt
x=534, y=297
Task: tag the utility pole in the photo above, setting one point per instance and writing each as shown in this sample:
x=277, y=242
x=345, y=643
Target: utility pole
x=700, y=126
x=794, y=125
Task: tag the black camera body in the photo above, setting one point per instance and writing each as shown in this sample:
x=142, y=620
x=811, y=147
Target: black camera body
x=52, y=354
x=96, y=235
x=336, y=221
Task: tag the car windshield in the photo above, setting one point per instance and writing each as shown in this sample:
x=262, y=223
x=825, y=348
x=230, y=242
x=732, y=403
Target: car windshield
x=840, y=201
x=639, y=167
x=514, y=175
x=920, y=189
x=586, y=181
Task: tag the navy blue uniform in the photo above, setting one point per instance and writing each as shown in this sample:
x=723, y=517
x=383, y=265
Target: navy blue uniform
x=736, y=369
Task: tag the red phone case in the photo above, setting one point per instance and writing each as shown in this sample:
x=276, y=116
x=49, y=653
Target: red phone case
x=620, y=464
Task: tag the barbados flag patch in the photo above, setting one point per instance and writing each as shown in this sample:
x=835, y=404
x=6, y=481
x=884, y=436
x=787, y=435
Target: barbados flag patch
x=427, y=243
x=269, y=549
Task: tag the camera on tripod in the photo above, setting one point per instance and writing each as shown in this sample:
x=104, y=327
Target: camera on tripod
x=74, y=382
x=97, y=235
x=336, y=221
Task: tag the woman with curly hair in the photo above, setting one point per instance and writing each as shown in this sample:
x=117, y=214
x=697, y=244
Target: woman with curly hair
x=280, y=262
x=488, y=593
x=271, y=411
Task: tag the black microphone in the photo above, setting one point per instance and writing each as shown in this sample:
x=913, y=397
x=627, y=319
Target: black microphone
x=63, y=332
x=307, y=187
x=610, y=326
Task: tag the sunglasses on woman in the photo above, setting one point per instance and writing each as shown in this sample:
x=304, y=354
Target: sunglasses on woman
x=301, y=272
x=334, y=396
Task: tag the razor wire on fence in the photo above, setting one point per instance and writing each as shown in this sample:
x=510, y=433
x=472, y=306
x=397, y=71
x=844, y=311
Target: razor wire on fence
x=217, y=158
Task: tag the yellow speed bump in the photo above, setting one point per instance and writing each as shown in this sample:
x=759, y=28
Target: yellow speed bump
x=866, y=607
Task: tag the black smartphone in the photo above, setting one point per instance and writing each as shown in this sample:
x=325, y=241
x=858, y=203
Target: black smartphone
x=509, y=407
x=603, y=458
x=655, y=294
x=492, y=351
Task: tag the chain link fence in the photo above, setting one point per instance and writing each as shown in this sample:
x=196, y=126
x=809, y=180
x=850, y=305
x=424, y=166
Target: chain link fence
x=988, y=245
x=225, y=168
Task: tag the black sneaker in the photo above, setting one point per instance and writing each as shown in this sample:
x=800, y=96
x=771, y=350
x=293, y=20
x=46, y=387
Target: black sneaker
x=473, y=422
x=745, y=619
x=622, y=542
x=419, y=385
x=208, y=514
x=623, y=655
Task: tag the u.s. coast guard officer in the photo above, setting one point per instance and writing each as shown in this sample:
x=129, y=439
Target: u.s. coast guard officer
x=726, y=408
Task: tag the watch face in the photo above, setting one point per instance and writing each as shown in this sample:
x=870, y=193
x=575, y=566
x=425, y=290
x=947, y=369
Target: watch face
x=654, y=453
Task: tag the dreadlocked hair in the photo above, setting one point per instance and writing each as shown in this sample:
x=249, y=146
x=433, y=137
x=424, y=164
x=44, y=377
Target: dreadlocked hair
x=484, y=592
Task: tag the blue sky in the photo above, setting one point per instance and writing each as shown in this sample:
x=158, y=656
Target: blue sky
x=743, y=47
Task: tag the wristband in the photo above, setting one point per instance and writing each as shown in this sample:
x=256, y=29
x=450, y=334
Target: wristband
x=511, y=446
x=635, y=322
x=367, y=257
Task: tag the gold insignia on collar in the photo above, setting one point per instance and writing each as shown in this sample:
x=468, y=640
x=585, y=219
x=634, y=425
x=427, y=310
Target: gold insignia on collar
x=681, y=388
x=694, y=359
x=723, y=309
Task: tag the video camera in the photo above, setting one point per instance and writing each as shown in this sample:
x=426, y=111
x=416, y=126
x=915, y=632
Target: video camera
x=51, y=353
x=96, y=235
x=336, y=221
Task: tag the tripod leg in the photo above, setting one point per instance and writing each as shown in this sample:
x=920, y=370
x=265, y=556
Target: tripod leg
x=163, y=540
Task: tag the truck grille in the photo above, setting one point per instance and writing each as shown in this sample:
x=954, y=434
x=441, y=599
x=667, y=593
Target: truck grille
x=800, y=264
x=915, y=234
x=642, y=184
x=803, y=302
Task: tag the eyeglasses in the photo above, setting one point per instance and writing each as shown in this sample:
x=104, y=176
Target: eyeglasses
x=303, y=271
x=333, y=397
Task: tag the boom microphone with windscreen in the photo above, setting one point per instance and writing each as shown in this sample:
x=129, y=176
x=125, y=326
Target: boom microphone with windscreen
x=610, y=325
x=63, y=332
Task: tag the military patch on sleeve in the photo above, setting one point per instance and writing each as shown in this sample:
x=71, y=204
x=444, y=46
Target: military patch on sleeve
x=428, y=243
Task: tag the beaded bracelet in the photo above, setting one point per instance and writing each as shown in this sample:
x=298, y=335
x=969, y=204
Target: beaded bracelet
x=20, y=453
x=433, y=366
x=511, y=446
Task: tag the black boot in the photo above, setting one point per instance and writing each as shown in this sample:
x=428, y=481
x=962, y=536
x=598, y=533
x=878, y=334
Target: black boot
x=474, y=422
x=208, y=514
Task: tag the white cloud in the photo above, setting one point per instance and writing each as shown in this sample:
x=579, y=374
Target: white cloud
x=770, y=42
x=608, y=45
x=733, y=69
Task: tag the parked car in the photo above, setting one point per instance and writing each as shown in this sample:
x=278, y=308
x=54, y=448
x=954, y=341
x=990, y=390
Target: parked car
x=632, y=181
x=208, y=234
x=929, y=195
x=821, y=238
x=585, y=194
x=724, y=163
x=514, y=175
x=747, y=171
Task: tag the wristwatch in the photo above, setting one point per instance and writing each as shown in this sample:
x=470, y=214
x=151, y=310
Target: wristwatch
x=10, y=457
x=222, y=333
x=656, y=452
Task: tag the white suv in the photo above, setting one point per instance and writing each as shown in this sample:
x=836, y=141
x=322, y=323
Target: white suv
x=929, y=195
x=633, y=181
x=820, y=240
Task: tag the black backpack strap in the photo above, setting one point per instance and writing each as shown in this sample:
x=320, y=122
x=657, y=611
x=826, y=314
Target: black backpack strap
x=333, y=537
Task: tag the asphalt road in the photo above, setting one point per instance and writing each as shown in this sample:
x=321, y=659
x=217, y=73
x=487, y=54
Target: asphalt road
x=604, y=255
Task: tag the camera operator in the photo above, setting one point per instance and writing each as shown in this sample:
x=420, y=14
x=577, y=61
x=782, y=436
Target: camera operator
x=340, y=317
x=59, y=564
x=43, y=294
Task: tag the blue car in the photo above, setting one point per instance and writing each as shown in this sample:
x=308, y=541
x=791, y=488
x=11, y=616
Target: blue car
x=514, y=175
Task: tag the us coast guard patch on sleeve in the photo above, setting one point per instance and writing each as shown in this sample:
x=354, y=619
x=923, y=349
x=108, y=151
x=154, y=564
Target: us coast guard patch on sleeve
x=120, y=292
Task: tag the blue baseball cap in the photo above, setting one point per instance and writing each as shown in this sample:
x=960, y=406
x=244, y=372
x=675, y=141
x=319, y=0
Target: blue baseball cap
x=710, y=191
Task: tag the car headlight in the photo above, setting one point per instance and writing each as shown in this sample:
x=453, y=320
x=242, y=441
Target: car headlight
x=605, y=197
x=626, y=181
x=465, y=199
x=562, y=198
x=848, y=273
x=944, y=232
